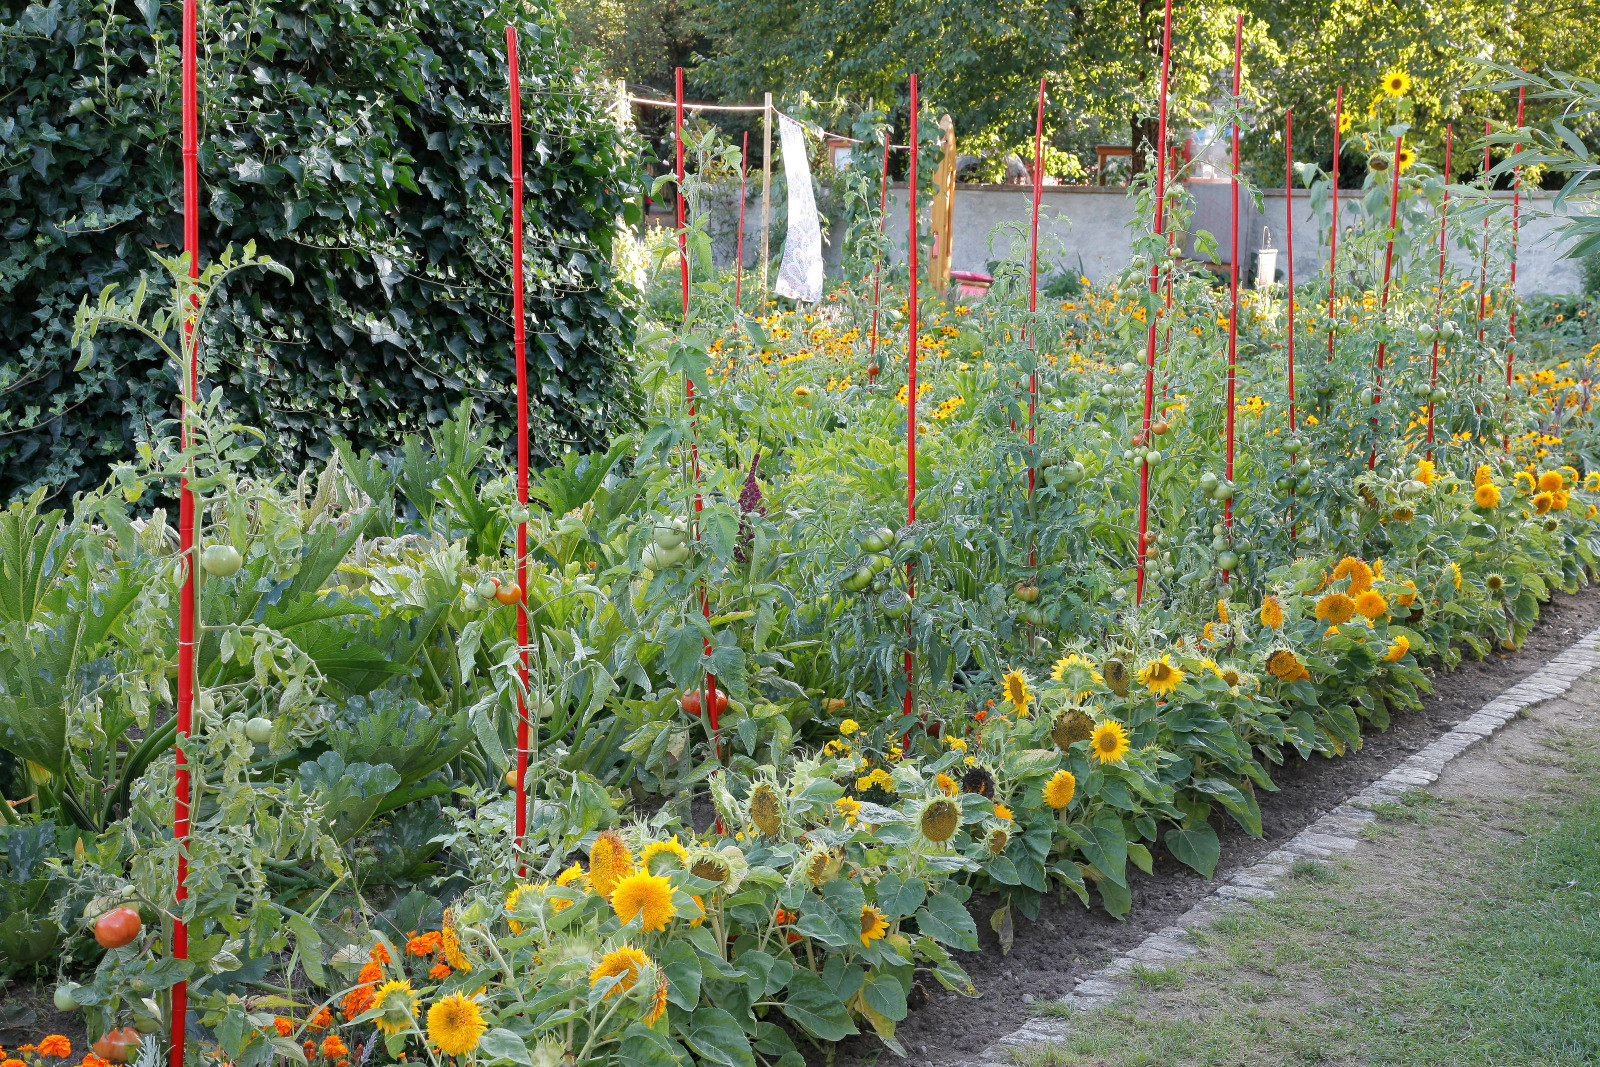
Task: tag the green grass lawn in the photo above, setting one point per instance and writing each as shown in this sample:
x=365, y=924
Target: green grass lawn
x=1468, y=935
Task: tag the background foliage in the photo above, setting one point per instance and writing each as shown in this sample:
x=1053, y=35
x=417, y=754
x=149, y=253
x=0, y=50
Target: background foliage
x=364, y=146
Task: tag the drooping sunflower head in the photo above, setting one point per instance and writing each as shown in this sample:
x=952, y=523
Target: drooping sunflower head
x=1559, y=500
x=1286, y=666
x=1116, y=675
x=455, y=1024
x=1486, y=495
x=1378, y=162
x=1272, y=613
x=1110, y=741
x=874, y=924
x=1161, y=676
x=1454, y=571
x=822, y=865
x=658, y=999
x=946, y=784
x=1074, y=669
x=518, y=895
x=1494, y=583
x=1335, y=608
x=941, y=817
x=1552, y=481
x=669, y=847
x=1402, y=514
x=1405, y=600
x=1017, y=691
x=1222, y=612
x=1397, y=650
x=398, y=1003
x=1059, y=790
x=1071, y=726
x=709, y=864
x=610, y=861
x=1371, y=604
x=977, y=780
x=995, y=843
x=450, y=943
x=645, y=896
x=1396, y=83
x=1592, y=482
x=1543, y=502
x=766, y=808
x=625, y=964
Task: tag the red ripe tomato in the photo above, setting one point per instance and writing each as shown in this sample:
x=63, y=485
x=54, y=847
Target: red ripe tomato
x=690, y=703
x=119, y=1046
x=1138, y=440
x=508, y=594
x=719, y=702
x=116, y=928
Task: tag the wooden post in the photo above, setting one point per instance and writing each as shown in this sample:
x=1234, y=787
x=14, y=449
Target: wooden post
x=766, y=196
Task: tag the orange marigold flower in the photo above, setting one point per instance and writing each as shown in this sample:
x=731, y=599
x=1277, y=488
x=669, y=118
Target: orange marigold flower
x=321, y=1020
x=439, y=972
x=309, y=1048
x=370, y=972
x=357, y=1001
x=13, y=1063
x=333, y=1046
x=55, y=1045
x=285, y=1027
x=380, y=953
x=424, y=944
x=91, y=1060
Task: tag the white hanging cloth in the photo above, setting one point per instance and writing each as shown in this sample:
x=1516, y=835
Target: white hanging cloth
x=800, y=274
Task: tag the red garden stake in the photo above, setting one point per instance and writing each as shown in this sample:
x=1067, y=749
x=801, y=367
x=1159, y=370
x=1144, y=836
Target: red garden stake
x=883, y=206
x=1142, y=547
x=1383, y=296
x=709, y=700
x=738, y=255
x=1033, y=281
x=1233, y=276
x=1516, y=213
x=1483, y=269
x=911, y=383
x=1444, y=212
x=186, y=523
x=1333, y=229
x=520, y=344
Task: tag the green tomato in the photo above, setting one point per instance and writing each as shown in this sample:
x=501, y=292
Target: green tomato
x=894, y=605
x=65, y=998
x=1228, y=561
x=518, y=515
x=221, y=561
x=859, y=580
x=671, y=533
x=258, y=730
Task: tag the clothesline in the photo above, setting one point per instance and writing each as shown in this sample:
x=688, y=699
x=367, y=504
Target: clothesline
x=753, y=107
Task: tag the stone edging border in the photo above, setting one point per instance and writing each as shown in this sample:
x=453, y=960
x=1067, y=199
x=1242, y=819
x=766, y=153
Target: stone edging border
x=1337, y=831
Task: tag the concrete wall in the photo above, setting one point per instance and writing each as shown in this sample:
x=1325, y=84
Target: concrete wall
x=1089, y=225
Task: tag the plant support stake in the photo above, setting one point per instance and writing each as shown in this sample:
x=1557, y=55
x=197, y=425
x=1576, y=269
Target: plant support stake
x=1233, y=276
x=1511, y=322
x=520, y=344
x=1444, y=213
x=1143, y=547
x=1383, y=295
x=1333, y=226
x=877, y=261
x=189, y=604
x=911, y=385
x=738, y=255
x=1033, y=291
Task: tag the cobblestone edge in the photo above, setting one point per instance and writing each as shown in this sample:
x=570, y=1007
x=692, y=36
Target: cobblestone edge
x=1337, y=831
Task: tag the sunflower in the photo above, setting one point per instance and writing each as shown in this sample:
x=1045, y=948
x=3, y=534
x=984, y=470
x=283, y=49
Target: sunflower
x=1371, y=604
x=1405, y=600
x=658, y=1000
x=1116, y=676
x=1482, y=475
x=1543, y=502
x=1345, y=120
x=1110, y=741
x=1017, y=691
x=455, y=1024
x=450, y=944
x=941, y=817
x=511, y=904
x=1059, y=790
x=1396, y=83
x=609, y=862
x=1222, y=612
x=979, y=781
x=1160, y=677
x=1425, y=472
x=1400, y=647
x=849, y=807
x=1559, y=500
x=1271, y=613
x=1494, y=583
x=669, y=847
x=1336, y=608
x=874, y=924
x=1230, y=675
x=1454, y=571
x=1071, y=726
x=1552, y=482
x=946, y=784
x=766, y=810
x=1378, y=162
x=1078, y=667
x=573, y=875
x=624, y=964
x=1592, y=482
x=1002, y=813
x=1524, y=482
x=398, y=1004
x=1404, y=158
x=1286, y=666
x=1358, y=572
x=646, y=895
x=995, y=843
x=822, y=865
x=1486, y=495
x=700, y=916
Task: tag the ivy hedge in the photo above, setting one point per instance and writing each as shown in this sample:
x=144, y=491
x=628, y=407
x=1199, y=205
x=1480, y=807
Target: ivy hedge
x=363, y=144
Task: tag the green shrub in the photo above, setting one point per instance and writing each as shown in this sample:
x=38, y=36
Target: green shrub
x=365, y=147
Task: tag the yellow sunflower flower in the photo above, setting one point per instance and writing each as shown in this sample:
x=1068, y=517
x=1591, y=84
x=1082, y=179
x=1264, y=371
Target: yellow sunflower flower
x=1396, y=83
x=656, y=848
x=646, y=895
x=1286, y=666
x=1397, y=650
x=1486, y=495
x=1336, y=608
x=1059, y=790
x=1425, y=472
x=399, y=1005
x=1110, y=741
x=1543, y=502
x=1017, y=691
x=1371, y=604
x=455, y=1024
x=610, y=861
x=625, y=963
x=1271, y=613
x=874, y=924
x=1160, y=676
x=1552, y=481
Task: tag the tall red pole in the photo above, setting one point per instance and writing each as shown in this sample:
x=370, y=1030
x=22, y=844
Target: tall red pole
x=738, y=255
x=1516, y=214
x=1383, y=296
x=1233, y=276
x=1333, y=230
x=1444, y=212
x=520, y=344
x=187, y=609
x=911, y=378
x=877, y=277
x=1483, y=269
x=683, y=237
x=1142, y=547
x=1288, y=241
x=1033, y=276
